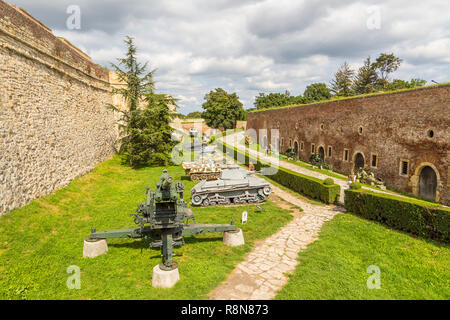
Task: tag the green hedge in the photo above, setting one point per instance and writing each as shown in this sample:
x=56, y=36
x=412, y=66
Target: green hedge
x=408, y=215
x=355, y=185
x=313, y=187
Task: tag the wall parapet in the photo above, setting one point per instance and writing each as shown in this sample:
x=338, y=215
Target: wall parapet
x=352, y=98
x=17, y=26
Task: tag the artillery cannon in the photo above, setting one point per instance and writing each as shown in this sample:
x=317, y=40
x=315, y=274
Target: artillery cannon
x=161, y=219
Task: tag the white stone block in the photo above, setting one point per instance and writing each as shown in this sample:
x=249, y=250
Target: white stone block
x=164, y=279
x=233, y=238
x=92, y=249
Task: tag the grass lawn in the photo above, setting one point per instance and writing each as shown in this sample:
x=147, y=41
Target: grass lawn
x=335, y=266
x=39, y=241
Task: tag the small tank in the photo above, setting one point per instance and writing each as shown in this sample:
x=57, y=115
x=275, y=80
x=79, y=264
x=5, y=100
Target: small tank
x=202, y=170
x=235, y=185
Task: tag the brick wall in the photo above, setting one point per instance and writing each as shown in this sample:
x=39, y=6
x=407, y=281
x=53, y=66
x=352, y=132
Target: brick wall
x=54, y=125
x=394, y=127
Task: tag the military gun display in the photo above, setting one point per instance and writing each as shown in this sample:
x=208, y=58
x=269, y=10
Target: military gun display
x=161, y=219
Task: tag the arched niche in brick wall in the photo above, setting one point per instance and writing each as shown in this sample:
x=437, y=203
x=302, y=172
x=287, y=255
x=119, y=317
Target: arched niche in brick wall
x=415, y=179
x=321, y=152
x=359, y=160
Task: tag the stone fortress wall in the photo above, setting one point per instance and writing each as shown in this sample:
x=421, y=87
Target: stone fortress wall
x=54, y=125
x=402, y=137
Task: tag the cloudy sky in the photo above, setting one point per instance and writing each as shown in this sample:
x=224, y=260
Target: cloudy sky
x=251, y=46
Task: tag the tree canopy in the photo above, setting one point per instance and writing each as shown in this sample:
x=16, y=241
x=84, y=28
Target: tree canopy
x=222, y=109
x=194, y=115
x=317, y=92
x=276, y=99
x=384, y=65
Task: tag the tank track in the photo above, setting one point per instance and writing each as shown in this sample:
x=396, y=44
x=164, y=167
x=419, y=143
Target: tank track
x=213, y=199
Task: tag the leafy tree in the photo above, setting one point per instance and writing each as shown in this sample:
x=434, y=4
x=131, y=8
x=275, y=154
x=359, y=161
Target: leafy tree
x=416, y=82
x=194, y=115
x=222, y=109
x=145, y=131
x=366, y=79
x=385, y=64
x=341, y=85
x=398, y=84
x=317, y=92
x=276, y=100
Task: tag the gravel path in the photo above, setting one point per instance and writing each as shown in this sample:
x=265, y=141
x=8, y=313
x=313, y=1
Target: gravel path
x=264, y=270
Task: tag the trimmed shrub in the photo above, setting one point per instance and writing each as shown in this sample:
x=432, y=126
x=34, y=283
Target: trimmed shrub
x=409, y=215
x=310, y=186
x=355, y=185
x=328, y=182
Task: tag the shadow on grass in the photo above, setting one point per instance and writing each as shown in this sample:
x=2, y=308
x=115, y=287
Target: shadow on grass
x=145, y=244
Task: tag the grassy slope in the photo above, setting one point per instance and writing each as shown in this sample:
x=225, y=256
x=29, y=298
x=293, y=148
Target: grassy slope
x=335, y=266
x=39, y=241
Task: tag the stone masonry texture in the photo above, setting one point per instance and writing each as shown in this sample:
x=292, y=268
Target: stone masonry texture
x=394, y=127
x=54, y=125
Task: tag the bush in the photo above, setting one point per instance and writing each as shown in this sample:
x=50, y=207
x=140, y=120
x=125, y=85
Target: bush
x=409, y=215
x=355, y=185
x=328, y=182
x=307, y=185
x=304, y=184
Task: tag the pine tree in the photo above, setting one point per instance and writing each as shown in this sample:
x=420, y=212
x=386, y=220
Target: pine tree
x=366, y=79
x=145, y=131
x=341, y=85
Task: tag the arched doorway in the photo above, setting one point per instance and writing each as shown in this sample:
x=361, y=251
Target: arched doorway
x=277, y=145
x=359, y=161
x=321, y=152
x=427, y=183
x=296, y=147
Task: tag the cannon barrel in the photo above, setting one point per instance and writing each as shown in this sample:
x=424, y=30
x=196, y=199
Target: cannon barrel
x=166, y=182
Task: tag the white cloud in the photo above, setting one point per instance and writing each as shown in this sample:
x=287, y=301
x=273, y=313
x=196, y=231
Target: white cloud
x=252, y=46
